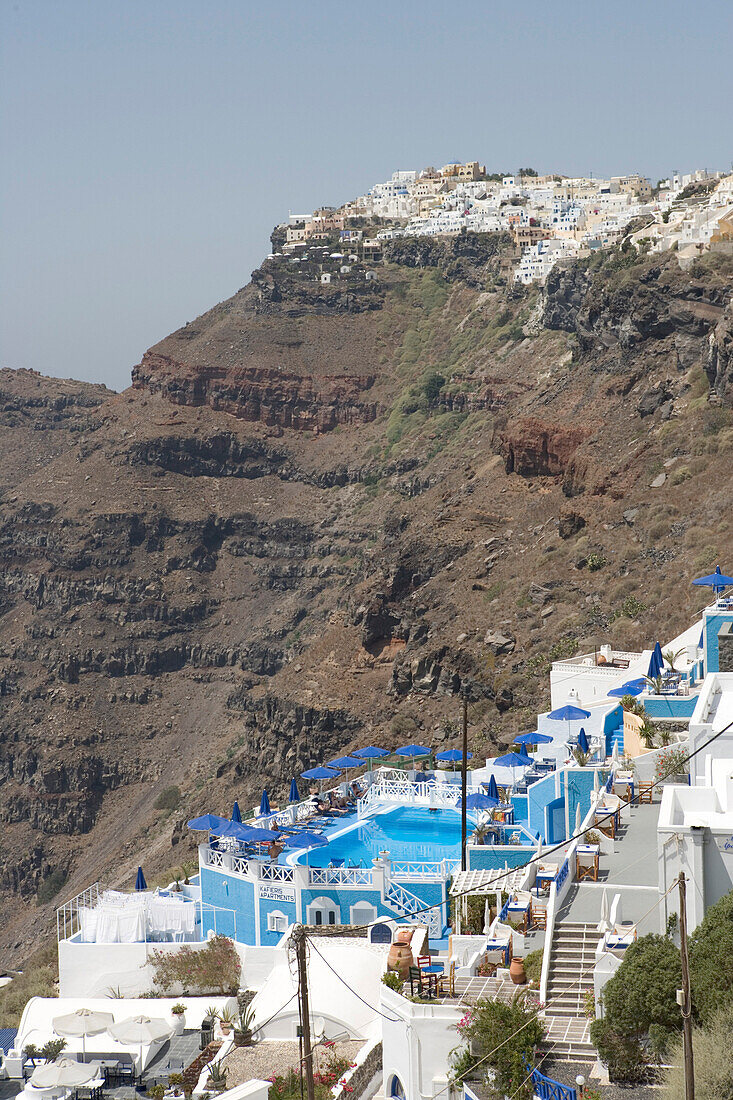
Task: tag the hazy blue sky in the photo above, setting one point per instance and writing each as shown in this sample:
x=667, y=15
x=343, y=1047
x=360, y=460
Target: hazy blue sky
x=148, y=146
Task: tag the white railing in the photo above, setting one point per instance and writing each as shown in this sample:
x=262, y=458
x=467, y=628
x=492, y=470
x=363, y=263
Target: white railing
x=402, y=868
x=409, y=905
x=240, y=865
x=67, y=915
x=341, y=876
x=402, y=793
x=214, y=858
x=274, y=872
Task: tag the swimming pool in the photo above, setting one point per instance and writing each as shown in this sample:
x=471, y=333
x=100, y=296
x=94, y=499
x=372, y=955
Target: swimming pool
x=406, y=832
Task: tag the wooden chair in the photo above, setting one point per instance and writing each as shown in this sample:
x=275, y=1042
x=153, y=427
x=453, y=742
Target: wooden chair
x=539, y=916
x=646, y=791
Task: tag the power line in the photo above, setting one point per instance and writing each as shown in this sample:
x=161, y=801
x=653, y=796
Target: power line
x=391, y=1019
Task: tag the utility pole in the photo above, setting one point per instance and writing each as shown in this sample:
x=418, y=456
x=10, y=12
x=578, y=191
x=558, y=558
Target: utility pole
x=464, y=761
x=686, y=1005
x=300, y=941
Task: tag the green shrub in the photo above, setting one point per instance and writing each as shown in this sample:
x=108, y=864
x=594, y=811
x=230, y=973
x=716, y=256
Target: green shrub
x=533, y=966
x=214, y=969
x=50, y=886
x=711, y=960
x=621, y=1054
x=168, y=799
x=713, y=1059
x=39, y=977
x=432, y=385
x=596, y=561
x=639, y=1002
x=502, y=1038
x=393, y=981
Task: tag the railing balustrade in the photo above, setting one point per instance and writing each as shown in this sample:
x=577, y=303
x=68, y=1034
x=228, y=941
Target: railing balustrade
x=341, y=876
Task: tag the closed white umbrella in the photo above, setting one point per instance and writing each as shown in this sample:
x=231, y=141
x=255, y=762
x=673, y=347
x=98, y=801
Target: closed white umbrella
x=487, y=917
x=597, y=781
x=64, y=1073
x=614, y=753
x=603, y=922
x=578, y=819
x=141, y=1029
x=81, y=1023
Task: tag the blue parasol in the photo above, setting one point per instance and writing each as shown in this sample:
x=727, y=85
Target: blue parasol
x=236, y=815
x=656, y=662
x=264, y=804
x=631, y=687
x=294, y=796
x=320, y=774
x=346, y=762
x=371, y=752
x=480, y=802
x=535, y=738
x=306, y=840
x=717, y=580
x=206, y=823
x=140, y=883
x=452, y=755
x=512, y=760
x=249, y=834
x=568, y=714
x=701, y=643
x=493, y=790
x=583, y=741
x=412, y=751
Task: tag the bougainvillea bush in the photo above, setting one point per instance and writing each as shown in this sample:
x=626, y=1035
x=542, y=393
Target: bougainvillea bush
x=213, y=969
x=287, y=1087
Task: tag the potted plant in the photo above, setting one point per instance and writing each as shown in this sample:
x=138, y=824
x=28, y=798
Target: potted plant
x=243, y=1027
x=179, y=1018
x=217, y=1077
x=227, y=1020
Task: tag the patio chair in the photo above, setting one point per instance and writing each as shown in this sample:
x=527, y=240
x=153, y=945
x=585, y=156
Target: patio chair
x=421, y=985
x=336, y=863
x=646, y=791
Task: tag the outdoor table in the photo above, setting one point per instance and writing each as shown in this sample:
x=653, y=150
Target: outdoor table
x=499, y=945
x=618, y=943
x=589, y=869
x=606, y=820
x=546, y=873
x=519, y=909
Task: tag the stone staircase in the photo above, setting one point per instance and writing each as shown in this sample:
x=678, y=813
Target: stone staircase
x=570, y=978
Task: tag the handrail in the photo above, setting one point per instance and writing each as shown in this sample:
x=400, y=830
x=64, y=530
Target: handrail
x=546, y=1088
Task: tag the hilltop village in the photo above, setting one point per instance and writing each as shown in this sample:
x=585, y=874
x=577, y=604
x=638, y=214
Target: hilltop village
x=549, y=217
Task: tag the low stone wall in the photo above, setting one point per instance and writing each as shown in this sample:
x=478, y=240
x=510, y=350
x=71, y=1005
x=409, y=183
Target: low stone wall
x=357, y=1081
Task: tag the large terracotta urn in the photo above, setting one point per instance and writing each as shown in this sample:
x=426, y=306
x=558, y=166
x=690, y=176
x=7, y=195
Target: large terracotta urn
x=516, y=971
x=400, y=957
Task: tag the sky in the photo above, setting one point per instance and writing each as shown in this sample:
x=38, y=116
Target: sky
x=147, y=147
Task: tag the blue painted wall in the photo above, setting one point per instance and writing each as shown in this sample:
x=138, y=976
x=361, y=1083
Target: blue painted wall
x=713, y=624
x=580, y=785
x=670, y=706
x=539, y=796
x=555, y=821
x=270, y=905
x=494, y=856
x=228, y=892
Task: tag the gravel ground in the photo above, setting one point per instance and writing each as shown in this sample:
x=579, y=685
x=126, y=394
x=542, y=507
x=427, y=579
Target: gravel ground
x=275, y=1056
x=566, y=1072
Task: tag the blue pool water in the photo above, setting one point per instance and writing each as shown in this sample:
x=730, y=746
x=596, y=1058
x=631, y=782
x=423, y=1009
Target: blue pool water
x=407, y=832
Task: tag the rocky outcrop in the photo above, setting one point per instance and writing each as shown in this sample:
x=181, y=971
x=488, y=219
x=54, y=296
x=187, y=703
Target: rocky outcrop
x=274, y=397
x=466, y=257
x=533, y=448
x=719, y=358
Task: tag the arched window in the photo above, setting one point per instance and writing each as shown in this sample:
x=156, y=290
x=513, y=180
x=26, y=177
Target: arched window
x=396, y=1088
x=323, y=911
x=363, y=912
x=276, y=921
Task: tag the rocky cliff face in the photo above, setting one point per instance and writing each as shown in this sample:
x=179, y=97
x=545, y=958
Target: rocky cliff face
x=320, y=513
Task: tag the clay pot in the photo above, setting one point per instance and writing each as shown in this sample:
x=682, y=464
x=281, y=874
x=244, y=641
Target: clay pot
x=400, y=959
x=517, y=972
x=403, y=935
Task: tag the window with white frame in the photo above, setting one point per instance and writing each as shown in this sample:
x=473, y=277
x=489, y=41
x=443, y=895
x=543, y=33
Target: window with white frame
x=363, y=912
x=276, y=921
x=323, y=911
